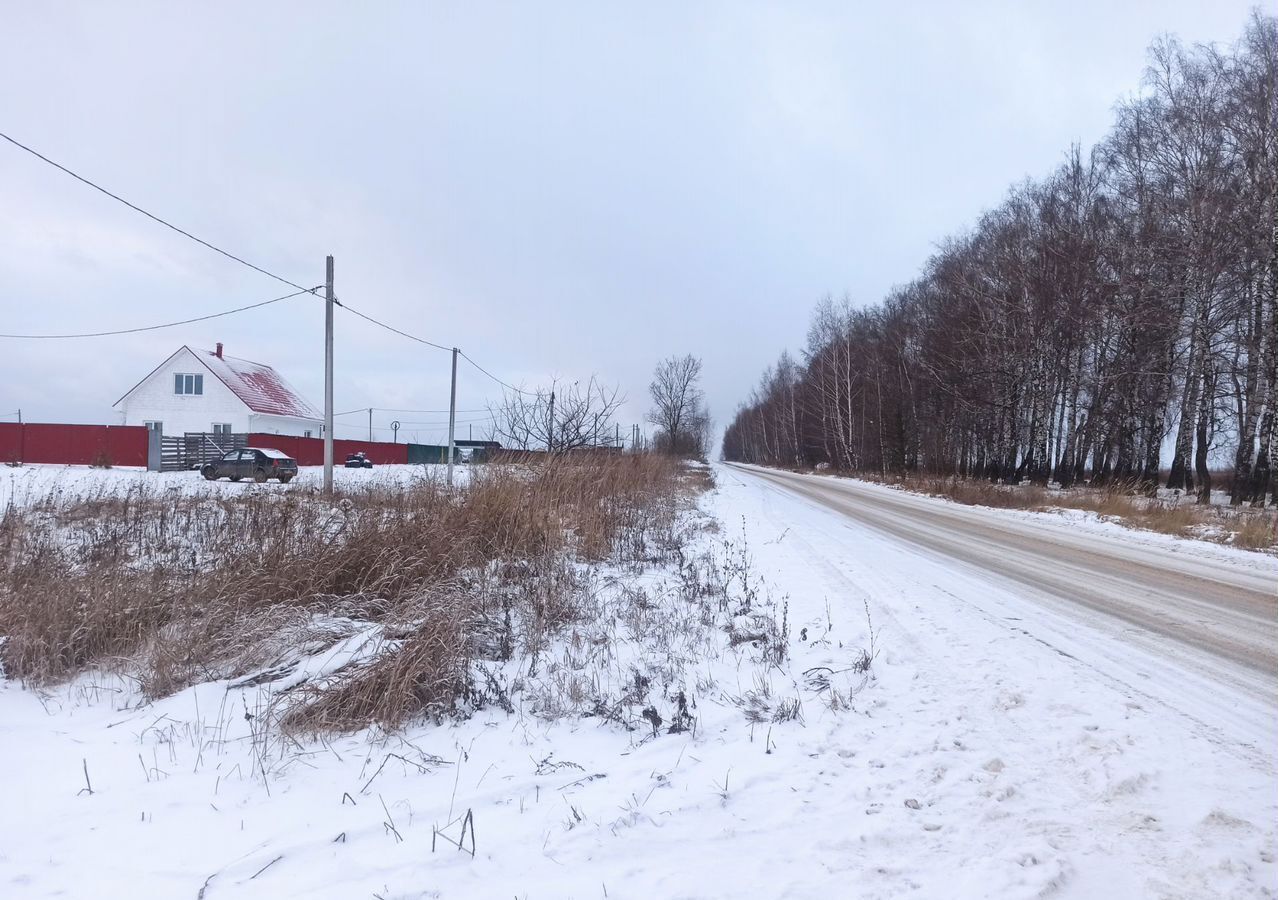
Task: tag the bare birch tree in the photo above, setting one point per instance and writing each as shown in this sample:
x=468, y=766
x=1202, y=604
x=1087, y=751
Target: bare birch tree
x=1125, y=303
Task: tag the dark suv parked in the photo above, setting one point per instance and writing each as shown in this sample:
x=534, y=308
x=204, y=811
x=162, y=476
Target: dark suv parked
x=258, y=463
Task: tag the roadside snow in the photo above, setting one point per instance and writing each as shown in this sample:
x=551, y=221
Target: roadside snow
x=1090, y=521
x=980, y=758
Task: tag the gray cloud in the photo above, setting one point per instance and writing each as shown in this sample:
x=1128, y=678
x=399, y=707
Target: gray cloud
x=560, y=189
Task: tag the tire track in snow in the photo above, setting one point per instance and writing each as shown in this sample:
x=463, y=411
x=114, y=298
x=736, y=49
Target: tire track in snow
x=1226, y=611
x=1066, y=723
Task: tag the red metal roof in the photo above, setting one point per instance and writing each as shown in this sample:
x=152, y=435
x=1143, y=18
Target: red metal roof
x=262, y=389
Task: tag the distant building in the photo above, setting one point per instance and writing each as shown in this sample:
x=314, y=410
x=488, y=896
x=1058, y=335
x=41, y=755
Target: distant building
x=205, y=390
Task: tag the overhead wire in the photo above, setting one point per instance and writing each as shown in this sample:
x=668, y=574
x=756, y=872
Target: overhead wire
x=421, y=340
x=483, y=409
x=495, y=378
x=231, y=256
x=381, y=324
x=444, y=422
x=364, y=409
x=154, y=217
x=227, y=312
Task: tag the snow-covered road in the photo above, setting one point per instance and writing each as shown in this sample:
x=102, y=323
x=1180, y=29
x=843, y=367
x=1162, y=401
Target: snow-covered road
x=1186, y=621
x=1133, y=744
x=1211, y=608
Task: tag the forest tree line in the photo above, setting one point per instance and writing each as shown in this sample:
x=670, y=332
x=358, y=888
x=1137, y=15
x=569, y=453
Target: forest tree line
x=1118, y=312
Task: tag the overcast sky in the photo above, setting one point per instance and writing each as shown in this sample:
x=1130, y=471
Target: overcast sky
x=558, y=189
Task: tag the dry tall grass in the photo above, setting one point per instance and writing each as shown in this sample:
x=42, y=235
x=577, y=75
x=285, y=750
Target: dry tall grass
x=1258, y=532
x=175, y=590
x=1253, y=529
x=982, y=493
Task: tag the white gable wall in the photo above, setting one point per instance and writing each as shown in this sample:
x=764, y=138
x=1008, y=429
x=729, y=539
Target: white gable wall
x=154, y=401
x=267, y=424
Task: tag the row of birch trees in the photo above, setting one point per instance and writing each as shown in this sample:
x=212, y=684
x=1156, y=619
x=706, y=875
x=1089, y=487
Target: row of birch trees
x=1116, y=321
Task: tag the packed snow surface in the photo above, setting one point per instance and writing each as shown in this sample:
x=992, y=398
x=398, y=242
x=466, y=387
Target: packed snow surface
x=997, y=749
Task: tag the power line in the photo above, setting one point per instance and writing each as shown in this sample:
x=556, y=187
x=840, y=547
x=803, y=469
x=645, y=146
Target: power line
x=153, y=216
x=392, y=409
x=495, y=378
x=231, y=256
x=411, y=337
x=216, y=315
x=364, y=409
x=440, y=422
x=445, y=422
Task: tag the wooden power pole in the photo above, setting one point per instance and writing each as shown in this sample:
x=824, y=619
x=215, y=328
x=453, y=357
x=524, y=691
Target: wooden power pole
x=550, y=426
x=328, y=376
x=452, y=419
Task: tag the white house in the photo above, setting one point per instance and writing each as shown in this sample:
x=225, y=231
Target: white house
x=205, y=390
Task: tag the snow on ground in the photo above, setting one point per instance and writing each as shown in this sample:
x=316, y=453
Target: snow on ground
x=1083, y=521
x=979, y=760
x=1204, y=544
x=30, y=483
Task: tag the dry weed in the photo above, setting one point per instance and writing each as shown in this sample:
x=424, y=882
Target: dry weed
x=1125, y=504
x=1258, y=531
x=174, y=590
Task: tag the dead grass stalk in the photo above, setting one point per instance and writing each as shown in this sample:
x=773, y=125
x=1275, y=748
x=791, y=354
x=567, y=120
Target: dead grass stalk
x=174, y=590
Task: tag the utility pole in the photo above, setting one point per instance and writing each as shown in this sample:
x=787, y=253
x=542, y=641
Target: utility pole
x=370, y=424
x=452, y=418
x=550, y=426
x=328, y=376
x=616, y=438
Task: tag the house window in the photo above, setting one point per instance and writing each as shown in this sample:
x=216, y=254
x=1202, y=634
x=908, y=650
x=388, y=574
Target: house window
x=306, y=433
x=222, y=428
x=154, y=426
x=188, y=384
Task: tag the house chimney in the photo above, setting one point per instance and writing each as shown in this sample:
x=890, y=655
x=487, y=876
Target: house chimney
x=218, y=351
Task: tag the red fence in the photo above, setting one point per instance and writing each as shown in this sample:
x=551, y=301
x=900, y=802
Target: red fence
x=126, y=445
x=77, y=445
x=310, y=451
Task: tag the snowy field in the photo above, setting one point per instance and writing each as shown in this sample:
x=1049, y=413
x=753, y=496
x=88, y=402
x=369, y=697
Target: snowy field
x=995, y=749
x=26, y=484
